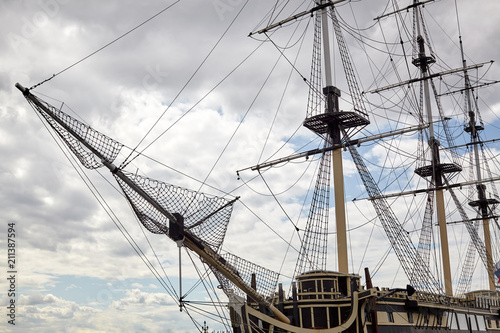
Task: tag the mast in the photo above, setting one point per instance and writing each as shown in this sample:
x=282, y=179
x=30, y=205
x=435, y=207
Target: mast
x=482, y=203
x=333, y=123
x=436, y=172
x=330, y=123
x=436, y=169
x=332, y=95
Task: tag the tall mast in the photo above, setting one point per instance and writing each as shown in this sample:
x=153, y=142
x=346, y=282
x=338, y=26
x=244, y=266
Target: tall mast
x=438, y=172
x=435, y=170
x=334, y=123
x=482, y=203
x=330, y=123
x=332, y=95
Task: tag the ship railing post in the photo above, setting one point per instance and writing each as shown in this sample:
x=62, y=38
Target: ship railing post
x=280, y=297
x=373, y=305
x=295, y=304
x=253, y=284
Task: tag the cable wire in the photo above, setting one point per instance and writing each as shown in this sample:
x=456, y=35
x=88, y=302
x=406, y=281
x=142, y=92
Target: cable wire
x=105, y=46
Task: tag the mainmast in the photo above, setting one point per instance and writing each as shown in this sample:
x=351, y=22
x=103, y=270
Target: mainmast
x=437, y=169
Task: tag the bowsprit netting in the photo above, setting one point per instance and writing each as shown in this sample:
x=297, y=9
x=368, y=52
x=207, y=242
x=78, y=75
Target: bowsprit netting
x=266, y=280
x=206, y=217
x=73, y=132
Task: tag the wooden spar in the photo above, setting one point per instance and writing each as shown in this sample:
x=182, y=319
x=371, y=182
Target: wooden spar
x=306, y=154
x=213, y=259
x=338, y=185
x=487, y=244
x=443, y=234
x=417, y=3
x=429, y=76
x=425, y=190
x=299, y=15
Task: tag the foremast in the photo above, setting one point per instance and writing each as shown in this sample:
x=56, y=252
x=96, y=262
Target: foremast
x=332, y=95
x=333, y=123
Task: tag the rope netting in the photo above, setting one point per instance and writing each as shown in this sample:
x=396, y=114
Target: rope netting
x=314, y=248
x=73, y=131
x=205, y=216
x=266, y=280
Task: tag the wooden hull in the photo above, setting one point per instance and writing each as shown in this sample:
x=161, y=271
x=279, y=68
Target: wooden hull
x=329, y=310
x=394, y=316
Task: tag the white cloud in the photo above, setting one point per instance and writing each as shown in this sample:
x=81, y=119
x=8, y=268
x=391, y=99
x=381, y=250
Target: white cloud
x=138, y=311
x=121, y=91
x=137, y=297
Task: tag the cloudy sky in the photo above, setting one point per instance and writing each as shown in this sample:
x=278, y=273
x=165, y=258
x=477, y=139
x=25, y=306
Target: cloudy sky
x=76, y=272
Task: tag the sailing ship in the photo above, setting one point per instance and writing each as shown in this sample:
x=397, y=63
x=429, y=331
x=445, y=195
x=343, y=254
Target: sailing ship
x=425, y=152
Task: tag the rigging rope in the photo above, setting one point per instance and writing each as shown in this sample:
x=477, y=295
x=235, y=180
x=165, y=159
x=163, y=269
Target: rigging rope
x=125, y=163
x=399, y=238
x=282, y=95
x=313, y=251
x=222, y=317
x=114, y=218
x=102, y=202
x=291, y=64
x=279, y=204
x=105, y=46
